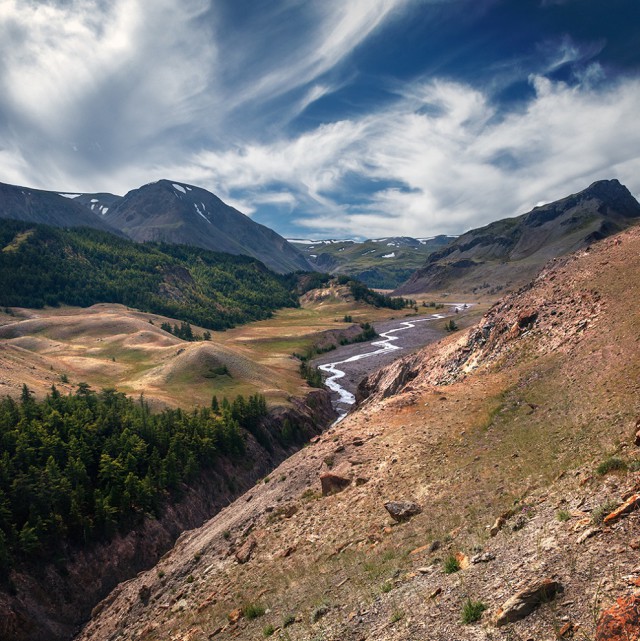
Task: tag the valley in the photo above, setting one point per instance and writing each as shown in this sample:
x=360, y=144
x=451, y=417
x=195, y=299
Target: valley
x=503, y=437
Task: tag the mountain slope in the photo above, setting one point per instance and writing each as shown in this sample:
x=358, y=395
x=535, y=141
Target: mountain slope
x=184, y=214
x=99, y=203
x=380, y=262
x=47, y=207
x=42, y=265
x=520, y=413
x=507, y=253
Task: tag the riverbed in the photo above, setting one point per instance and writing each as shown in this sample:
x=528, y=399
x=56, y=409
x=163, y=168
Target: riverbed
x=346, y=366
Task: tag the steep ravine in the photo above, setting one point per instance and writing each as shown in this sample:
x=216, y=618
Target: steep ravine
x=51, y=602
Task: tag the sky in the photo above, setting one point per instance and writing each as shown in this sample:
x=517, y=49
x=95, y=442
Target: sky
x=325, y=118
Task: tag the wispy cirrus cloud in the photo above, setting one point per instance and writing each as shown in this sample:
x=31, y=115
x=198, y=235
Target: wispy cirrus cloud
x=451, y=162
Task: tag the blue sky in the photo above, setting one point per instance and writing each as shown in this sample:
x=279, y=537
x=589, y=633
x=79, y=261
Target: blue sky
x=325, y=118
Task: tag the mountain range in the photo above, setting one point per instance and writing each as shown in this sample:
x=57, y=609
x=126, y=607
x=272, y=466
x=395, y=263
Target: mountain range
x=377, y=262
x=162, y=211
x=508, y=253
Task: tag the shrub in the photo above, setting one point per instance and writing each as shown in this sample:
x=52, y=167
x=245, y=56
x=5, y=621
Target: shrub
x=451, y=564
x=268, y=630
x=563, y=515
x=598, y=514
x=472, y=611
x=612, y=464
x=290, y=619
x=253, y=610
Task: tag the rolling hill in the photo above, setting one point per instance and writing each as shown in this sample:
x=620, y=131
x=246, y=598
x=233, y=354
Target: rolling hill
x=379, y=262
x=507, y=253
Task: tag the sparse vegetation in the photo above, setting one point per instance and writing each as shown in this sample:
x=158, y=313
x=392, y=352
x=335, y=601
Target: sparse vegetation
x=472, y=611
x=563, y=515
x=268, y=630
x=451, y=564
x=290, y=619
x=397, y=616
x=386, y=587
x=598, y=514
x=451, y=326
x=612, y=464
x=253, y=610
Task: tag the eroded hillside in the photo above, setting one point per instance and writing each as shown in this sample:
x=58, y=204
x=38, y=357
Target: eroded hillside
x=514, y=441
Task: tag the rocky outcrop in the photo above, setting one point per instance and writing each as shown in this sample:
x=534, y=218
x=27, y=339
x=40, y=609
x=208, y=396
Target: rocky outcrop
x=621, y=621
x=50, y=602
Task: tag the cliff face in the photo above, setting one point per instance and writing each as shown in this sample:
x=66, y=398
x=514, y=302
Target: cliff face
x=50, y=603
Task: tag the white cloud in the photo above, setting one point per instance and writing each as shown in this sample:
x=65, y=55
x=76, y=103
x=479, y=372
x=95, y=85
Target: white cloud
x=459, y=164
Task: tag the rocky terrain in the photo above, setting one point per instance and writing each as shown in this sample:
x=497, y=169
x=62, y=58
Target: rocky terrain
x=506, y=254
x=486, y=488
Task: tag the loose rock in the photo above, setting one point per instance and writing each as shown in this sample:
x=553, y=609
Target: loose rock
x=402, y=510
x=244, y=553
x=333, y=483
x=628, y=506
x=621, y=621
x=526, y=601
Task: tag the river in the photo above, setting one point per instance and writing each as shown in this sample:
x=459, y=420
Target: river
x=345, y=368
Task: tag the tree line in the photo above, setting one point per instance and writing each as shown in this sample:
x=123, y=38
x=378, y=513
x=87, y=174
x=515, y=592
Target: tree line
x=42, y=265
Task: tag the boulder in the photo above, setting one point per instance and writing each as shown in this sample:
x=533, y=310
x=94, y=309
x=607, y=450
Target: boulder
x=621, y=621
x=333, y=483
x=527, y=600
x=402, y=510
x=244, y=553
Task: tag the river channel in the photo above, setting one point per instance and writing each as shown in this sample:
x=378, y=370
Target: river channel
x=346, y=366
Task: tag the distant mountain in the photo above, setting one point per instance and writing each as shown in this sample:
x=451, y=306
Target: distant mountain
x=48, y=208
x=183, y=214
x=379, y=262
x=508, y=253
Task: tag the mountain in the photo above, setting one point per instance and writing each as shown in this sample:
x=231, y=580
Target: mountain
x=507, y=253
x=99, y=203
x=379, y=262
x=506, y=452
x=183, y=214
x=47, y=207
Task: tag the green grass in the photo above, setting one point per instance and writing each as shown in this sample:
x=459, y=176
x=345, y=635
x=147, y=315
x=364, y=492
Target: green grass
x=268, y=630
x=396, y=616
x=472, y=611
x=451, y=565
x=386, y=587
x=563, y=515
